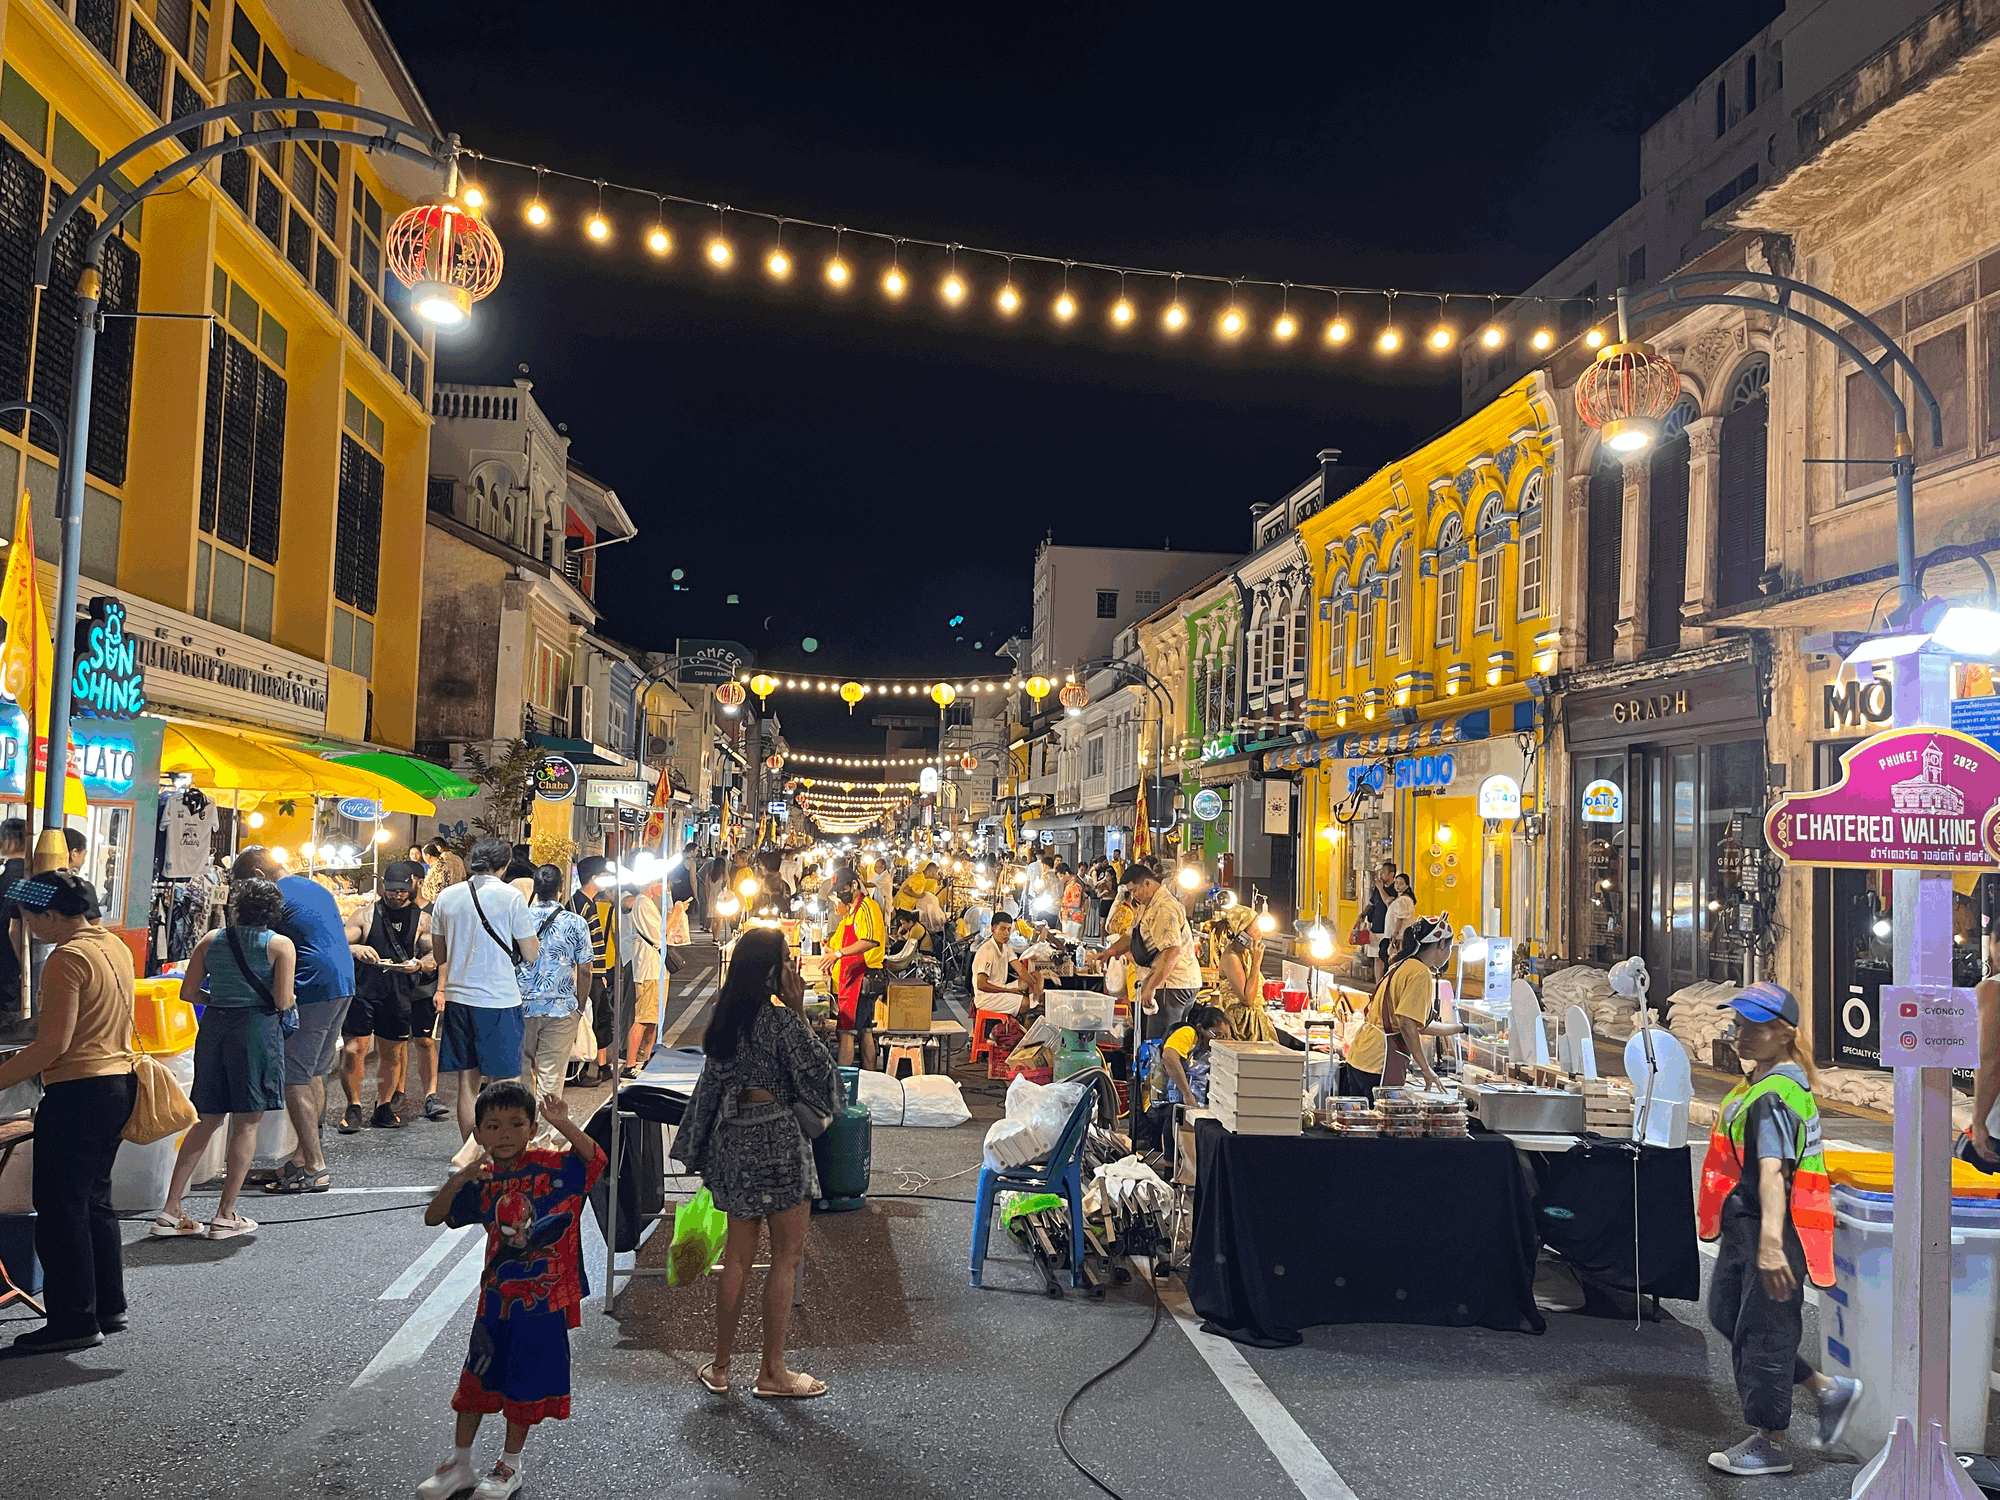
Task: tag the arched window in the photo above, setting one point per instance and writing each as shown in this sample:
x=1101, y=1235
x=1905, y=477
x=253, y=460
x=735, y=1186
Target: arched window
x=1336, y=652
x=1397, y=600
x=1605, y=557
x=1531, y=546
x=1364, y=617
x=1486, y=597
x=1666, y=552
x=1450, y=535
x=1740, y=538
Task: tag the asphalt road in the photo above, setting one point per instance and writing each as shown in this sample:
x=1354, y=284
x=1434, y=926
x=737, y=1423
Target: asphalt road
x=317, y=1359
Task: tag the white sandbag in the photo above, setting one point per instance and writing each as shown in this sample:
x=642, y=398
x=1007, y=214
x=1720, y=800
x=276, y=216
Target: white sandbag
x=140, y=1174
x=932, y=1100
x=1046, y=1106
x=882, y=1097
x=1014, y=1143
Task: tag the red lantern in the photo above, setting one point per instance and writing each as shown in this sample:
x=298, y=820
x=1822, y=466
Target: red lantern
x=730, y=695
x=1074, y=697
x=968, y=763
x=447, y=256
x=1626, y=392
x=774, y=761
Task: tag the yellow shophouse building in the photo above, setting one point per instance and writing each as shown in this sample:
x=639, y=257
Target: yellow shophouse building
x=1435, y=617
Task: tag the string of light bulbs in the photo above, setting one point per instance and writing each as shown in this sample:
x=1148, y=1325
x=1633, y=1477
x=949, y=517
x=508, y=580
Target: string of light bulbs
x=805, y=758
x=816, y=781
x=1235, y=316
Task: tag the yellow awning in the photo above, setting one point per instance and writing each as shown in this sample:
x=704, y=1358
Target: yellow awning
x=223, y=761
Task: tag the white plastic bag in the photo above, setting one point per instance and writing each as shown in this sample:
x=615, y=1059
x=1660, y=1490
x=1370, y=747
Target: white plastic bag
x=933, y=1100
x=1046, y=1106
x=882, y=1096
x=1015, y=1143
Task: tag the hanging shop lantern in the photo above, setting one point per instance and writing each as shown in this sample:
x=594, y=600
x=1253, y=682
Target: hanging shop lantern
x=774, y=762
x=852, y=693
x=1039, y=688
x=1625, y=393
x=943, y=694
x=1074, y=697
x=447, y=256
x=968, y=763
x=730, y=695
x=763, y=685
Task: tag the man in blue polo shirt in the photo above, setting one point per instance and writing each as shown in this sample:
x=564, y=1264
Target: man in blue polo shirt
x=324, y=987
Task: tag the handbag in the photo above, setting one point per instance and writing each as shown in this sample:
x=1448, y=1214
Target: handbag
x=510, y=946
x=1360, y=935
x=160, y=1107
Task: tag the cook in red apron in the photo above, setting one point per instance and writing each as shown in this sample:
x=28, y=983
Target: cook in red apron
x=853, y=967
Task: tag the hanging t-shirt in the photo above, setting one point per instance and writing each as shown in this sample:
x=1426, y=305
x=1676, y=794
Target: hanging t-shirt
x=189, y=838
x=532, y=1209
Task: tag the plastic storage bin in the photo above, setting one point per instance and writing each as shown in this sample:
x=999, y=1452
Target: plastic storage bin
x=1078, y=1010
x=1874, y=1172
x=1858, y=1312
x=139, y=1174
x=162, y=1021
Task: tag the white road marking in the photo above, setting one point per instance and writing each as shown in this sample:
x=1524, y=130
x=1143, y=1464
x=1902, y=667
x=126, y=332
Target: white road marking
x=672, y=1035
x=407, y=1344
x=420, y=1268
x=419, y=1187
x=1303, y=1463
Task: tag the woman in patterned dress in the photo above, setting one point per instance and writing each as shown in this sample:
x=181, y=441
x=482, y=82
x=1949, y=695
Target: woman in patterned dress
x=743, y=1136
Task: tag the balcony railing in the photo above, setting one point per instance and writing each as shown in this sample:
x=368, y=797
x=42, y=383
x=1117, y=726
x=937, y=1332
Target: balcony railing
x=540, y=721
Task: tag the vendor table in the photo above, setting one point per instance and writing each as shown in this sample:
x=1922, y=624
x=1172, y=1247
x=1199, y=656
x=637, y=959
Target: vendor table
x=1584, y=1200
x=1293, y=1231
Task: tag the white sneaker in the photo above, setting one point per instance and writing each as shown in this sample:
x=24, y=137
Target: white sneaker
x=501, y=1481
x=453, y=1476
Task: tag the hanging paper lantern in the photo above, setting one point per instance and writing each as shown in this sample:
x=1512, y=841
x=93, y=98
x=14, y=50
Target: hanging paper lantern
x=774, y=761
x=852, y=693
x=730, y=695
x=1074, y=697
x=447, y=256
x=1626, y=392
x=943, y=694
x=968, y=763
x=1039, y=688
x=763, y=685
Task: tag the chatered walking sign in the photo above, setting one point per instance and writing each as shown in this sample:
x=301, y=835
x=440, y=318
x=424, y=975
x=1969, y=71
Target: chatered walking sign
x=1923, y=798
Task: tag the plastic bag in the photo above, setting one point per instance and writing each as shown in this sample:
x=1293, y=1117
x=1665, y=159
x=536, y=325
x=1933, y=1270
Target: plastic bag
x=933, y=1100
x=882, y=1096
x=699, y=1229
x=1046, y=1106
x=1015, y=1143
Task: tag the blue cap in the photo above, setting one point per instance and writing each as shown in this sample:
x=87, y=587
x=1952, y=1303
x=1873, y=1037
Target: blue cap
x=1764, y=1001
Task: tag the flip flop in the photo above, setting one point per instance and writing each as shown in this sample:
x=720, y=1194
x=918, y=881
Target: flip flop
x=702, y=1375
x=813, y=1388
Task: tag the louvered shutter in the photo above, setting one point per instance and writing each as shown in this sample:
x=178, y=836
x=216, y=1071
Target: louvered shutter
x=1739, y=548
x=1607, y=518
x=1666, y=568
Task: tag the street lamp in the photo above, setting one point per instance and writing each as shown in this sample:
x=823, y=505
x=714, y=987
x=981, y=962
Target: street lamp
x=396, y=138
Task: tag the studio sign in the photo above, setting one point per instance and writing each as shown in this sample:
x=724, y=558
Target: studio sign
x=108, y=682
x=1660, y=706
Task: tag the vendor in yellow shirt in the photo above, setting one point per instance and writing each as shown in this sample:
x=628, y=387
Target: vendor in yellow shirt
x=924, y=883
x=1402, y=1004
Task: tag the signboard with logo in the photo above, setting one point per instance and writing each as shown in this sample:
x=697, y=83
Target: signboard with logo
x=1926, y=799
x=608, y=793
x=711, y=661
x=1929, y=1026
x=1603, y=802
x=1207, y=804
x=1277, y=806
x=927, y=781
x=108, y=682
x=555, y=778
x=1411, y=773
x=1500, y=798
x=361, y=809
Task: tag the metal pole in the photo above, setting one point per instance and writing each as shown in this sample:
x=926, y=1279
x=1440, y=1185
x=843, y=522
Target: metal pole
x=1908, y=593
x=617, y=1070
x=51, y=851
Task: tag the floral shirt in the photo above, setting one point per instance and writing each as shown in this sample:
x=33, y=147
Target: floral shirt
x=533, y=1213
x=548, y=985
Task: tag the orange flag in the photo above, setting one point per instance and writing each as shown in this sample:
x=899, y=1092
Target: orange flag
x=656, y=820
x=27, y=660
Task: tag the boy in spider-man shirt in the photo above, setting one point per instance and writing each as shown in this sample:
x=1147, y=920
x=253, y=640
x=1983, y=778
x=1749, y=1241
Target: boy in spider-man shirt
x=530, y=1295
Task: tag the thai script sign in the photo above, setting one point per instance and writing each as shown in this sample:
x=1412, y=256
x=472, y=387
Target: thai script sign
x=1914, y=798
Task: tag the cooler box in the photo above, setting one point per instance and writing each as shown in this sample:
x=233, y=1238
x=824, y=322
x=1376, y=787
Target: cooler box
x=1857, y=1314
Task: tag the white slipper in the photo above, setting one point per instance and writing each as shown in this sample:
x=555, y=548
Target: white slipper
x=164, y=1228
x=230, y=1228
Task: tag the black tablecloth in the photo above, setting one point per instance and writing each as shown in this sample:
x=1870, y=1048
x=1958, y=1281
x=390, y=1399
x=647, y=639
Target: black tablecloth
x=1583, y=1209
x=1292, y=1231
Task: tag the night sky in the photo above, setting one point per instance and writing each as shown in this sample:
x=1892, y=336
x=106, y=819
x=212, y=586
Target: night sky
x=860, y=472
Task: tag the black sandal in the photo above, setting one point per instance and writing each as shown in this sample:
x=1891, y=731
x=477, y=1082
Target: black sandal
x=293, y=1178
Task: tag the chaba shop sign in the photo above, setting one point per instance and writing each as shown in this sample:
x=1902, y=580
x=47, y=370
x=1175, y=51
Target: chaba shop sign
x=108, y=682
x=1925, y=799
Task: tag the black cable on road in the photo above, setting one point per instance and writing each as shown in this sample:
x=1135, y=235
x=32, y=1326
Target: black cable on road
x=1123, y=1360
x=352, y=1213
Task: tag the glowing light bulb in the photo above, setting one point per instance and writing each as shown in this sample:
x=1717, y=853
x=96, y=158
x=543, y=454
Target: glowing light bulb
x=255, y=820
x=1322, y=944
x=597, y=228
x=1009, y=298
x=894, y=283
x=1491, y=337
x=538, y=213
x=719, y=251
x=307, y=850
x=381, y=835
x=1390, y=341
x=1122, y=312
x=1441, y=337
x=1189, y=877
x=1336, y=331
x=954, y=289
x=778, y=264
x=1594, y=339
x=1542, y=339
x=1266, y=923
x=1176, y=317
x=472, y=197
x=836, y=271
x=1285, y=327
x=1065, y=306
x=659, y=241
x=1232, y=322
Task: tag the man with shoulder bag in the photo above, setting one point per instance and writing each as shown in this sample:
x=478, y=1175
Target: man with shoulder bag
x=481, y=931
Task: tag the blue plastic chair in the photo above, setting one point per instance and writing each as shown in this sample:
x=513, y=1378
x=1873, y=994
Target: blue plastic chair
x=1061, y=1173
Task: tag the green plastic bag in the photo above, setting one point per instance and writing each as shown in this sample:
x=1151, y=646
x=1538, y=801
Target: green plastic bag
x=699, y=1229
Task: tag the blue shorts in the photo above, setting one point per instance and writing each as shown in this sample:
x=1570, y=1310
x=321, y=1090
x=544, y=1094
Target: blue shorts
x=518, y=1366
x=480, y=1039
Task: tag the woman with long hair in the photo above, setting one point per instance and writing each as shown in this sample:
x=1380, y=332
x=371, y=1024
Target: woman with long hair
x=239, y=1053
x=742, y=1133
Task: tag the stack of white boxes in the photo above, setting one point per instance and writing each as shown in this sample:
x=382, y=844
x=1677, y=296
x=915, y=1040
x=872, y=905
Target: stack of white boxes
x=1255, y=1087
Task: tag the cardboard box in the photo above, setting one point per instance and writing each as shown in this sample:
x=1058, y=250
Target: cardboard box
x=908, y=1007
x=1259, y=1124
x=1220, y=1099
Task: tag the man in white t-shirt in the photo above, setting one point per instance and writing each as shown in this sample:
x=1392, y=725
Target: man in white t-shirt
x=994, y=986
x=480, y=929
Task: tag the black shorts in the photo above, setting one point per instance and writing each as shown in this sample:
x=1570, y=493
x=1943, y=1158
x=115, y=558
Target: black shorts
x=392, y=1017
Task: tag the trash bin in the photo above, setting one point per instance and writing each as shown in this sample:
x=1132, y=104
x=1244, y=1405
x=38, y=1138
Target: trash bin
x=140, y=1174
x=1857, y=1315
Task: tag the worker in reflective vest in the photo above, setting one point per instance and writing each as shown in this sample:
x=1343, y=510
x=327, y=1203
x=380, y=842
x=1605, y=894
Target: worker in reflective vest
x=1764, y=1194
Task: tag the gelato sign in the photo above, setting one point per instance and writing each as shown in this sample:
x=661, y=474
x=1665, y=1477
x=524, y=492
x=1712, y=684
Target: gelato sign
x=1925, y=799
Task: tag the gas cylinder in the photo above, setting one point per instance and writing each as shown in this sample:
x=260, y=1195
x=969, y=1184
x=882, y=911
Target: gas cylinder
x=843, y=1155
